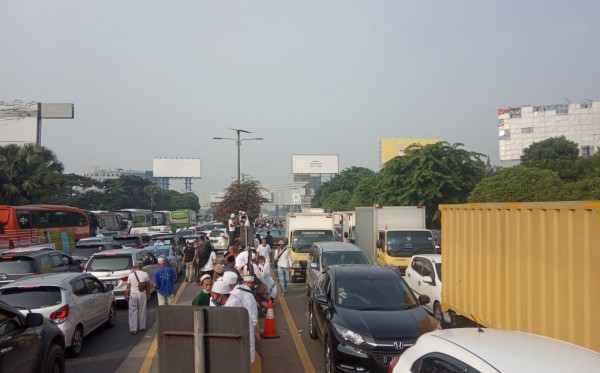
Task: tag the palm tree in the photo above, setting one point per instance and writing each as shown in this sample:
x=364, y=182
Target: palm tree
x=28, y=174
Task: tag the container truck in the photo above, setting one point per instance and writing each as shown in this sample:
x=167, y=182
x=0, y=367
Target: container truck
x=390, y=235
x=532, y=267
x=304, y=229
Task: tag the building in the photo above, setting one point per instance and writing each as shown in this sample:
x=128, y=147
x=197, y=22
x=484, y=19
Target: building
x=519, y=127
x=393, y=147
x=103, y=175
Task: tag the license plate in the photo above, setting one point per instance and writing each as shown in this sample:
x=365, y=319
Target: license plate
x=214, y=241
x=111, y=282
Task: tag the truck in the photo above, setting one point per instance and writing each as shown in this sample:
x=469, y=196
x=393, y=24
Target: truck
x=390, y=235
x=531, y=267
x=347, y=223
x=304, y=229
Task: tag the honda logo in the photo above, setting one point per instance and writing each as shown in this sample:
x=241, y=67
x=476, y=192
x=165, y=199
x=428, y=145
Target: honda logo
x=398, y=345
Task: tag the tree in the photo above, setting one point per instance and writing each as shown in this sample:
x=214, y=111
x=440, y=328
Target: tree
x=28, y=174
x=243, y=197
x=367, y=192
x=556, y=154
x=430, y=175
x=520, y=184
x=346, y=181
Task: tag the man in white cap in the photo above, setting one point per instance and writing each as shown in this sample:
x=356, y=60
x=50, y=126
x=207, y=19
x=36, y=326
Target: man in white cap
x=231, y=228
x=219, y=293
x=137, y=293
x=242, y=296
x=163, y=280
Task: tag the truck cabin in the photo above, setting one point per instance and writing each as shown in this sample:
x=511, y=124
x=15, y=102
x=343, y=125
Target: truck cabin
x=302, y=240
x=406, y=243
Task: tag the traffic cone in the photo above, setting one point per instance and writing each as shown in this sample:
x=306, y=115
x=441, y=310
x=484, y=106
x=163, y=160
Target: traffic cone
x=270, y=328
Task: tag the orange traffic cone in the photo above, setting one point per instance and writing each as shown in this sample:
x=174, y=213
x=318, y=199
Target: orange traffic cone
x=270, y=329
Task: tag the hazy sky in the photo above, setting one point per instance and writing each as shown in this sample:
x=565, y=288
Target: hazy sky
x=162, y=78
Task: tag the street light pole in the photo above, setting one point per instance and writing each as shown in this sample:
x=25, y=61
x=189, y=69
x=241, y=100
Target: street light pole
x=238, y=141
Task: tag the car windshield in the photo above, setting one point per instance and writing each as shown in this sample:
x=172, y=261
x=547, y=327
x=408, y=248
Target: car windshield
x=85, y=251
x=303, y=240
x=17, y=265
x=109, y=263
x=165, y=252
x=438, y=268
x=124, y=240
x=374, y=294
x=344, y=257
x=215, y=234
x=33, y=297
x=165, y=240
x=408, y=243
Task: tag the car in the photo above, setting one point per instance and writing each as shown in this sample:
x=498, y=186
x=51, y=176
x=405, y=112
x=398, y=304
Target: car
x=164, y=238
x=114, y=266
x=29, y=343
x=95, y=239
x=424, y=276
x=132, y=240
x=492, y=350
x=219, y=240
x=83, y=251
x=365, y=315
x=78, y=303
x=16, y=264
x=174, y=259
x=322, y=254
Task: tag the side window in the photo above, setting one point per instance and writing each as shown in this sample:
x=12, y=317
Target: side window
x=55, y=257
x=437, y=362
x=417, y=265
x=93, y=286
x=9, y=322
x=46, y=264
x=79, y=287
x=428, y=269
x=66, y=260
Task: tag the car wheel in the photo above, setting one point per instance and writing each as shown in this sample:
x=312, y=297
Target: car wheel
x=312, y=329
x=55, y=360
x=438, y=314
x=76, y=342
x=329, y=360
x=112, y=317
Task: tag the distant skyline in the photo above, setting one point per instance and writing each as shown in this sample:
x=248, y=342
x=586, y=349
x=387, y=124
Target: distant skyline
x=155, y=79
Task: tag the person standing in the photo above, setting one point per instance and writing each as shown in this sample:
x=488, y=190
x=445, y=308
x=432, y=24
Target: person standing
x=209, y=267
x=163, y=280
x=231, y=228
x=264, y=249
x=269, y=239
x=284, y=262
x=264, y=275
x=203, y=299
x=242, y=296
x=137, y=293
x=188, y=259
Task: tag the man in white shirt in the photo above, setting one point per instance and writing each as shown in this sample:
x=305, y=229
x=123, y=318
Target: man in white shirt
x=284, y=262
x=264, y=250
x=231, y=228
x=242, y=296
x=137, y=298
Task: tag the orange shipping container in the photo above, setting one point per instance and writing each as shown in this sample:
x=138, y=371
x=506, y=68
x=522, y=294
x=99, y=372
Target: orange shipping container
x=532, y=267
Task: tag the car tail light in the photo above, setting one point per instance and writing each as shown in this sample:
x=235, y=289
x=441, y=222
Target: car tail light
x=393, y=364
x=85, y=270
x=124, y=278
x=224, y=238
x=60, y=315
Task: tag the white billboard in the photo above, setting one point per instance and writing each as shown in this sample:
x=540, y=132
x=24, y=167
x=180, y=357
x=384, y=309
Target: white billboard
x=18, y=122
x=315, y=164
x=177, y=167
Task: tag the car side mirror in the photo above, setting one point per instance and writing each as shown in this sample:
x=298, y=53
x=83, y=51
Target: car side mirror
x=34, y=319
x=322, y=299
x=424, y=299
x=428, y=280
x=109, y=287
x=379, y=244
x=314, y=265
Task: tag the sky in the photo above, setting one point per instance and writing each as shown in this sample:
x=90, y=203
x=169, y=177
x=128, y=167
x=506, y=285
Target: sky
x=161, y=79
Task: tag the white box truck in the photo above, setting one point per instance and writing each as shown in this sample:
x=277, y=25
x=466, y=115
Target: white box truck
x=390, y=235
x=304, y=229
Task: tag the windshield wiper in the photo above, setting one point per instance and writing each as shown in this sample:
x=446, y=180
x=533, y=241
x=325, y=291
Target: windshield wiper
x=370, y=309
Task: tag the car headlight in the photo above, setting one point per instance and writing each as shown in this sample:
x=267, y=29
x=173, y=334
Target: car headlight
x=349, y=335
x=296, y=264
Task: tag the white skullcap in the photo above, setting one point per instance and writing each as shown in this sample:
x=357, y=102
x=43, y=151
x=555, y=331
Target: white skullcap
x=249, y=278
x=220, y=287
x=230, y=277
x=204, y=277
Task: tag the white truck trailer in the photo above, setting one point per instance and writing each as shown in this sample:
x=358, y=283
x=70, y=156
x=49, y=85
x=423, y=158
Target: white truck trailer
x=390, y=235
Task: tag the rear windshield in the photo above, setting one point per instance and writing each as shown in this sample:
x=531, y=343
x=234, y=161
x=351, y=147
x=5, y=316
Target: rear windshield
x=32, y=297
x=109, y=263
x=344, y=257
x=216, y=233
x=86, y=250
x=122, y=240
x=19, y=265
x=159, y=252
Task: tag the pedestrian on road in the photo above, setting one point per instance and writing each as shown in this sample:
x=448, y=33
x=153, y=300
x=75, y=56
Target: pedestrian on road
x=231, y=228
x=264, y=275
x=242, y=296
x=137, y=293
x=264, y=249
x=209, y=267
x=188, y=259
x=203, y=299
x=284, y=262
x=219, y=294
x=269, y=239
x=163, y=280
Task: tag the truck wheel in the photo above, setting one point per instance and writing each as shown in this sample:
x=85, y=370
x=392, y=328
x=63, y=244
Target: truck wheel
x=55, y=359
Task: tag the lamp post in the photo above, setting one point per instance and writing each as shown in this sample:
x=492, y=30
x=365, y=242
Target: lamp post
x=238, y=142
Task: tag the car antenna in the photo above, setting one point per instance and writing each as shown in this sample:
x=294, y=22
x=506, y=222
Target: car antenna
x=479, y=328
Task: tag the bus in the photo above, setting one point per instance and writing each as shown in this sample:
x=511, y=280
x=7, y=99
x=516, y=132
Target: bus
x=183, y=219
x=107, y=223
x=137, y=217
x=27, y=225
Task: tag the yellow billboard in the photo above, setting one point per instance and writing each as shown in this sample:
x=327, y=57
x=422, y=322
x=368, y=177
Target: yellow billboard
x=393, y=147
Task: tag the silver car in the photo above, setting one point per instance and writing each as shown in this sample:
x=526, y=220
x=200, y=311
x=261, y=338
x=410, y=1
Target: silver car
x=77, y=302
x=114, y=266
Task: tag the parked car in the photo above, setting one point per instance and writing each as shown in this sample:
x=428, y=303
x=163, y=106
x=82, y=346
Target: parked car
x=493, y=350
x=219, y=240
x=424, y=276
x=86, y=250
x=114, y=266
x=174, y=259
x=365, y=315
x=16, y=264
x=78, y=303
x=132, y=240
x=323, y=254
x=30, y=343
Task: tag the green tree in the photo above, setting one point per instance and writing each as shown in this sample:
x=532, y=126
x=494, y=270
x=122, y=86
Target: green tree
x=28, y=174
x=246, y=196
x=346, y=181
x=367, y=192
x=556, y=154
x=431, y=175
x=520, y=184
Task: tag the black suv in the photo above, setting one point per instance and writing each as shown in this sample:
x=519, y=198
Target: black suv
x=29, y=343
x=16, y=264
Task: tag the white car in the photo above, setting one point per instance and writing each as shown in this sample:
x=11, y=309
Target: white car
x=491, y=350
x=424, y=276
x=77, y=302
x=219, y=239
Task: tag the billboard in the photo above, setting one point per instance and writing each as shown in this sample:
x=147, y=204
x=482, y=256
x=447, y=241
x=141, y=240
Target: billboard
x=315, y=164
x=18, y=122
x=393, y=147
x=177, y=167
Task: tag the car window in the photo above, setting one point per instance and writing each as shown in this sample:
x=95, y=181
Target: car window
x=344, y=257
x=46, y=264
x=313, y=255
x=79, y=288
x=427, y=269
x=165, y=252
x=378, y=292
x=93, y=287
x=438, y=269
x=17, y=265
x=55, y=257
x=147, y=259
x=110, y=263
x=32, y=297
x=441, y=363
x=416, y=265
x=9, y=322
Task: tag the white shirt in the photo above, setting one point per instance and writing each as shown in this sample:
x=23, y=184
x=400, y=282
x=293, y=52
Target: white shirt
x=231, y=225
x=264, y=250
x=131, y=279
x=264, y=275
x=210, y=264
x=241, y=259
x=284, y=259
x=235, y=301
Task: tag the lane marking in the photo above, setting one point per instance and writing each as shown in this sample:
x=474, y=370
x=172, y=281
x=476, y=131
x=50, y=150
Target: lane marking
x=147, y=364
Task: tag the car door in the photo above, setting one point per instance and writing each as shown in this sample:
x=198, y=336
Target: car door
x=322, y=311
x=429, y=288
x=82, y=303
x=312, y=274
x=413, y=275
x=18, y=344
x=100, y=300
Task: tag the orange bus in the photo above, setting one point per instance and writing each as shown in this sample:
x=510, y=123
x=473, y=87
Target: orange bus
x=22, y=226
